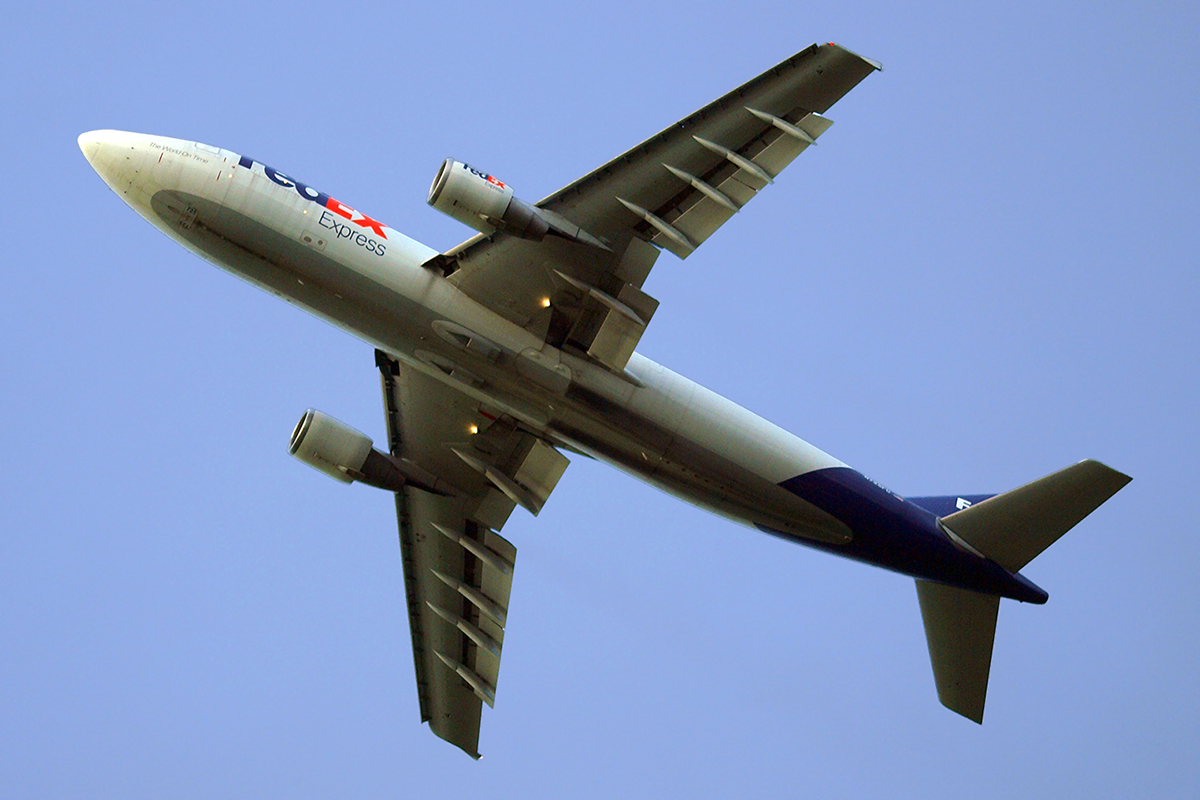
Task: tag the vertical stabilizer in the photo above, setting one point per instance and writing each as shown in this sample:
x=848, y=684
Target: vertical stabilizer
x=960, y=626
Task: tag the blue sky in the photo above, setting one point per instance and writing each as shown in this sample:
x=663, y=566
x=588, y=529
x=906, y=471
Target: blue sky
x=987, y=271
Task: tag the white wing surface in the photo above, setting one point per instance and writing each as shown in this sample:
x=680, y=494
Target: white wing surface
x=457, y=568
x=672, y=191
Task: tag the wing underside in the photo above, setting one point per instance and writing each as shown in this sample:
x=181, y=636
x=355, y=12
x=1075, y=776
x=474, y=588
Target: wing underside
x=457, y=568
x=670, y=192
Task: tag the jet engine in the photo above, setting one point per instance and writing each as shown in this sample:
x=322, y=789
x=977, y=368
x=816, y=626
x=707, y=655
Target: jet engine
x=347, y=455
x=483, y=202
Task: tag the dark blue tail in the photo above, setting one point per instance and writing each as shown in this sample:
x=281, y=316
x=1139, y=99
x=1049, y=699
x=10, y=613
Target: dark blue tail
x=945, y=506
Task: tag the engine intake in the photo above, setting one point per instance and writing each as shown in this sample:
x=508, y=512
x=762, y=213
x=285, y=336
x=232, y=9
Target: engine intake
x=347, y=455
x=484, y=202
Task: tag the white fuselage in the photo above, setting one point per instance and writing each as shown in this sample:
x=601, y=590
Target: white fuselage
x=368, y=279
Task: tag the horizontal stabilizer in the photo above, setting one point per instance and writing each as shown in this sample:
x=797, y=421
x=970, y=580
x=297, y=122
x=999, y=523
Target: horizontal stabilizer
x=1012, y=528
x=960, y=626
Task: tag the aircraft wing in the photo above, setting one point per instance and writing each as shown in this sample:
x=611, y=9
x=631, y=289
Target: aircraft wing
x=672, y=191
x=457, y=568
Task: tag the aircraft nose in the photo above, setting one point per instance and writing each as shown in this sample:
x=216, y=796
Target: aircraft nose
x=89, y=143
x=109, y=152
x=94, y=144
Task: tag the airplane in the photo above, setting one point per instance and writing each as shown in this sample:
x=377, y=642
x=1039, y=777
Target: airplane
x=519, y=345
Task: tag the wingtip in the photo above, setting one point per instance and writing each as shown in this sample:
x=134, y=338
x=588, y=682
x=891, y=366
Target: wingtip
x=972, y=713
x=1116, y=474
x=874, y=64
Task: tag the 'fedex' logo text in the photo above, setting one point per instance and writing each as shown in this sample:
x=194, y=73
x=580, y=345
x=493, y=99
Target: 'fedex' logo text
x=492, y=179
x=320, y=198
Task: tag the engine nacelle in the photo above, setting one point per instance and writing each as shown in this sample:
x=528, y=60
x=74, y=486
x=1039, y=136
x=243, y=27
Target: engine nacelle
x=483, y=202
x=347, y=455
x=330, y=446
